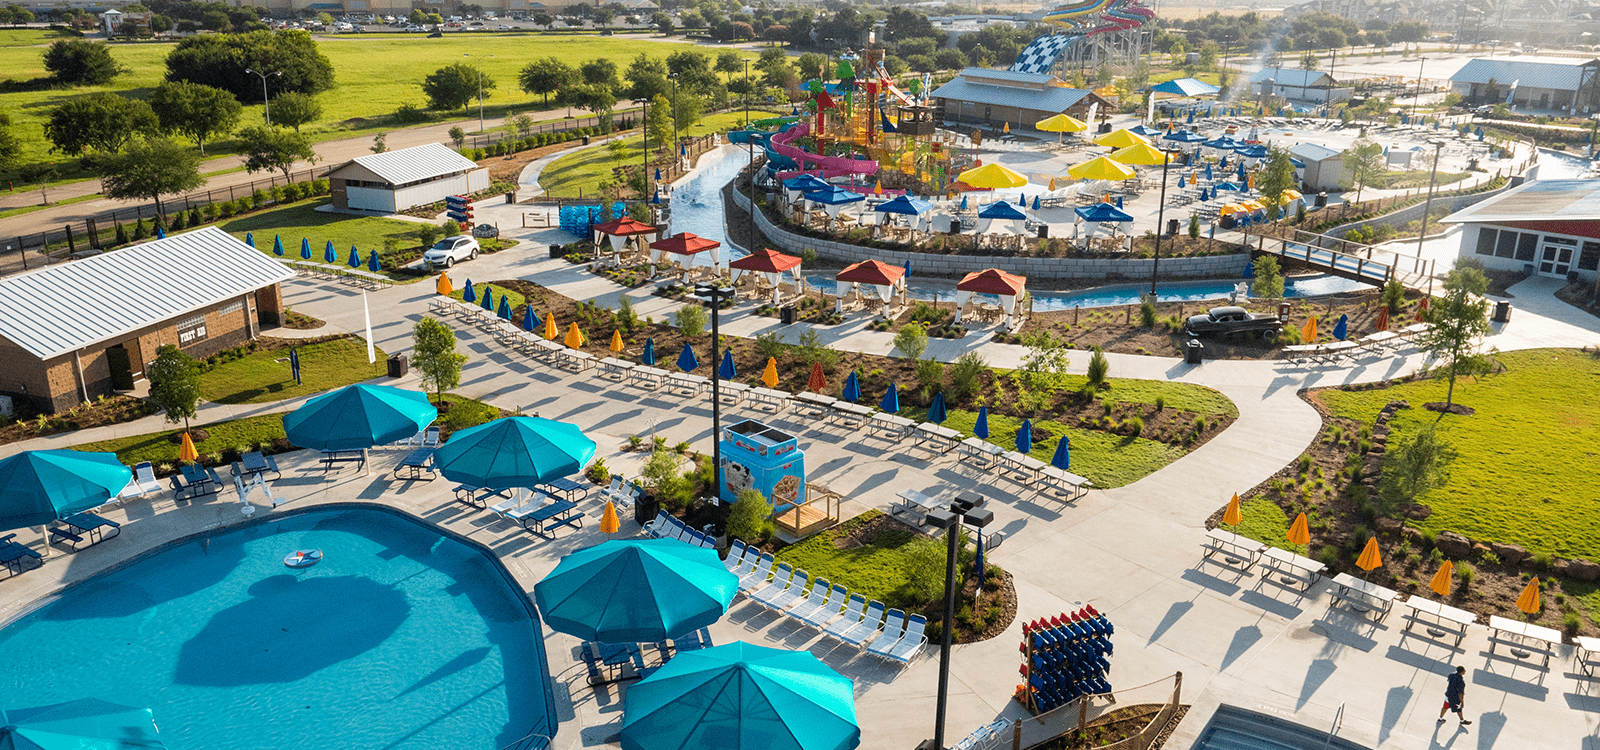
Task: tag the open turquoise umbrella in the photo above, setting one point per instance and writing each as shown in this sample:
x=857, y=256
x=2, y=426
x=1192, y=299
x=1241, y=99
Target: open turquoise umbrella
x=487, y=301
x=1063, y=458
x=82, y=724
x=358, y=417
x=468, y=294
x=981, y=429
x=636, y=591
x=891, y=400
x=250, y=239
x=37, y=487
x=648, y=357
x=514, y=452
x=530, y=319
x=686, y=359
x=852, y=388
x=277, y=245
x=1025, y=436
x=372, y=262
x=355, y=258
x=936, y=410
x=504, y=311
x=305, y=248
x=740, y=696
x=727, y=371
x=330, y=255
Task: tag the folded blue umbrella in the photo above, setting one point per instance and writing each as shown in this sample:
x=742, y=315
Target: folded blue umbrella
x=277, y=245
x=330, y=255
x=1063, y=458
x=908, y=268
x=686, y=359
x=891, y=400
x=727, y=371
x=963, y=203
x=1208, y=171
x=981, y=429
x=250, y=239
x=648, y=357
x=504, y=311
x=161, y=234
x=305, y=248
x=656, y=199
x=1119, y=201
x=1180, y=182
x=1342, y=328
x=1249, y=270
x=530, y=319
x=468, y=294
x=1036, y=203
x=487, y=302
x=355, y=258
x=372, y=262
x=852, y=388
x=936, y=411
x=1025, y=436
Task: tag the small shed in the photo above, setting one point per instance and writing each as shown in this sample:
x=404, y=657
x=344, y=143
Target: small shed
x=1298, y=85
x=1324, y=167
x=397, y=180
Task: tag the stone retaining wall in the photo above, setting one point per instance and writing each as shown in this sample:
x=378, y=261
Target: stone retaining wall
x=1412, y=213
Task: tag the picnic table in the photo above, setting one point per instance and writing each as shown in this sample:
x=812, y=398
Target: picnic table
x=937, y=438
x=79, y=526
x=1067, y=485
x=1525, y=639
x=575, y=360
x=892, y=426
x=851, y=414
x=1441, y=619
x=1290, y=567
x=1235, y=549
x=193, y=481
x=567, y=487
x=1334, y=350
x=606, y=660
x=1022, y=466
x=814, y=404
x=256, y=463
x=1381, y=340
x=1587, y=654
x=477, y=497
x=545, y=519
x=616, y=369
x=417, y=463
x=689, y=384
x=765, y=397
x=981, y=451
x=331, y=457
x=1363, y=595
x=650, y=378
x=1411, y=331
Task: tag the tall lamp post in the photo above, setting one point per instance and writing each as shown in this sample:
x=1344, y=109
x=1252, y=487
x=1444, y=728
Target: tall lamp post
x=477, y=62
x=1438, y=145
x=750, y=145
x=644, y=129
x=715, y=295
x=674, y=78
x=1420, y=62
x=1161, y=215
x=967, y=508
x=266, y=106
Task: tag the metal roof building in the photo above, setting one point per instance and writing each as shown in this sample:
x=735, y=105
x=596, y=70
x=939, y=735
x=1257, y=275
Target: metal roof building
x=1529, y=83
x=68, y=331
x=397, y=180
x=1547, y=227
x=1298, y=85
x=998, y=97
x=1324, y=167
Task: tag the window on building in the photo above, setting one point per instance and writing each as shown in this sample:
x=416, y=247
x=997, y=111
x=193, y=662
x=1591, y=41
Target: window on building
x=1506, y=246
x=191, y=330
x=1486, y=238
x=1527, y=246
x=1589, y=259
x=233, y=308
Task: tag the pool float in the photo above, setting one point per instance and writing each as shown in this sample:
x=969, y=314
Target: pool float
x=303, y=558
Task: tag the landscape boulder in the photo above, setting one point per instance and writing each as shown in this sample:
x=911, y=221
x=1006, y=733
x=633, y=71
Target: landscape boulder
x=1418, y=512
x=1386, y=525
x=1582, y=570
x=1510, y=554
x=1453, y=544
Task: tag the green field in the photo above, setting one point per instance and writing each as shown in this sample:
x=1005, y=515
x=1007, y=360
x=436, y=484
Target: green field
x=1265, y=522
x=373, y=77
x=586, y=168
x=265, y=376
x=1528, y=459
x=31, y=37
x=301, y=220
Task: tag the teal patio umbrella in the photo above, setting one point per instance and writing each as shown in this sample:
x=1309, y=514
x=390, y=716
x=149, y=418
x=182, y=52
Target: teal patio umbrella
x=358, y=417
x=686, y=359
x=504, y=311
x=648, y=356
x=936, y=411
x=852, y=388
x=1342, y=328
x=514, y=452
x=487, y=302
x=1025, y=436
x=83, y=724
x=740, y=696
x=277, y=245
x=305, y=248
x=981, y=429
x=250, y=239
x=468, y=294
x=372, y=262
x=530, y=319
x=636, y=591
x=330, y=255
x=891, y=400
x=37, y=487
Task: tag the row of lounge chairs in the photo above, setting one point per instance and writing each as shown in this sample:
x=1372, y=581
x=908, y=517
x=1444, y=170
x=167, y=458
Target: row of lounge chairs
x=849, y=618
x=666, y=527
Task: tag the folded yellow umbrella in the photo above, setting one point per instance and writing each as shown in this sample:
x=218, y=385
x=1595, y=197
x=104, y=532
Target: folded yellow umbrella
x=1300, y=532
x=1233, y=516
x=574, y=339
x=993, y=176
x=1101, y=168
x=187, y=451
x=616, y=341
x=1062, y=123
x=1370, y=557
x=1441, y=580
x=609, y=523
x=1308, y=334
x=1122, y=138
x=1008, y=127
x=444, y=287
x=1529, y=600
x=769, y=377
x=1142, y=154
x=1052, y=183
x=550, y=331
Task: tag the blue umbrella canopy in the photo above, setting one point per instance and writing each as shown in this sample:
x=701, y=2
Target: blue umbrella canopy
x=891, y=399
x=936, y=411
x=504, y=311
x=852, y=388
x=1063, y=458
x=37, y=487
x=1342, y=328
x=636, y=591
x=530, y=319
x=514, y=452
x=1254, y=151
x=1184, y=136
x=1144, y=130
x=487, y=301
x=468, y=294
x=161, y=234
x=358, y=417
x=1001, y=210
x=1025, y=436
x=686, y=359
x=277, y=245
x=981, y=428
x=305, y=248
x=82, y=724
x=1205, y=194
x=648, y=357
x=355, y=258
x=726, y=370
x=1185, y=87
x=904, y=205
x=805, y=183
x=1233, y=186
x=372, y=262
x=330, y=255
x=963, y=203
x=250, y=239
x=1102, y=212
x=1222, y=143
x=741, y=696
x=834, y=196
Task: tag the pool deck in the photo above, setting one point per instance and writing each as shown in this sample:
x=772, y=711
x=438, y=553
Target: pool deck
x=1133, y=552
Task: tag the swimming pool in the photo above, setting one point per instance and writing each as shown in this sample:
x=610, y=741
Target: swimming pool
x=400, y=638
x=1117, y=294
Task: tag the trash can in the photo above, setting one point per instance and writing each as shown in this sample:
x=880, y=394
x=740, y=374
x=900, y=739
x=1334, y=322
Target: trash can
x=511, y=197
x=1192, y=351
x=556, y=251
x=1044, y=231
x=644, y=509
x=1105, y=127
x=788, y=315
x=1172, y=227
x=399, y=365
x=955, y=226
x=1322, y=200
x=1228, y=222
x=1502, y=311
x=586, y=140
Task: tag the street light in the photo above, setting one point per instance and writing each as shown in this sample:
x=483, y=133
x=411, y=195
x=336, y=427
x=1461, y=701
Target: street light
x=1418, y=97
x=644, y=128
x=1438, y=144
x=715, y=295
x=750, y=144
x=1161, y=215
x=477, y=62
x=266, y=106
x=674, y=78
x=967, y=508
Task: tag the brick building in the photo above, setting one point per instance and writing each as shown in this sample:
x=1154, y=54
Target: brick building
x=73, y=332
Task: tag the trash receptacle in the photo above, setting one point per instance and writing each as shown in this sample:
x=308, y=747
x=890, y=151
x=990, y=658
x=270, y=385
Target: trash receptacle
x=399, y=365
x=1192, y=351
x=1044, y=231
x=788, y=316
x=556, y=251
x=1502, y=311
x=1172, y=227
x=1322, y=200
x=586, y=140
x=511, y=197
x=644, y=509
x=955, y=226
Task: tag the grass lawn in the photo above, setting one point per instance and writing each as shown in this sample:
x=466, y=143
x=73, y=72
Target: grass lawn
x=587, y=168
x=517, y=300
x=875, y=572
x=264, y=376
x=1265, y=522
x=30, y=209
x=1527, y=459
x=158, y=449
x=301, y=220
x=31, y=37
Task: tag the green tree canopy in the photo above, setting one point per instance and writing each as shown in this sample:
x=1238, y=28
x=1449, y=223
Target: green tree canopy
x=1363, y=163
x=149, y=169
x=647, y=77
x=195, y=110
x=101, y=122
x=267, y=148
x=80, y=62
x=10, y=146
x=174, y=384
x=433, y=353
x=456, y=85
x=546, y=76
x=295, y=108
x=600, y=70
x=658, y=124
x=729, y=61
x=1456, y=323
x=221, y=60
x=593, y=97
x=1279, y=176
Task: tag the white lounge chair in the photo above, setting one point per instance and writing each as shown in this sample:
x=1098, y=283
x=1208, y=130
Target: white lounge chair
x=893, y=625
x=656, y=526
x=430, y=437
x=788, y=597
x=812, y=600
x=735, y=558
x=780, y=581
x=758, y=577
x=910, y=642
x=822, y=613
x=863, y=631
x=852, y=615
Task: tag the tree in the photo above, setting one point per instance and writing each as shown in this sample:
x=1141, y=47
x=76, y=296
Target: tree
x=1208, y=55
x=454, y=86
x=545, y=77
x=658, y=124
x=10, y=147
x=174, y=384
x=543, y=18
x=602, y=16
x=295, y=108
x=458, y=136
x=195, y=110
x=222, y=61
x=160, y=24
x=729, y=62
x=433, y=353
x=418, y=16
x=1099, y=368
x=149, y=169
x=774, y=66
x=688, y=109
x=748, y=516
x=1455, y=323
x=1363, y=162
x=912, y=340
x=647, y=77
x=39, y=174
x=1418, y=465
x=601, y=71
x=1309, y=61
x=1279, y=176
x=101, y=122
x=1268, y=281
x=274, y=148
x=380, y=143
x=950, y=59
x=663, y=23
x=80, y=62
x=593, y=97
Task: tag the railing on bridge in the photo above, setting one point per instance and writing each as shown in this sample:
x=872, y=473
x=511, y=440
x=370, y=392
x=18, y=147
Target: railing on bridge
x=1350, y=259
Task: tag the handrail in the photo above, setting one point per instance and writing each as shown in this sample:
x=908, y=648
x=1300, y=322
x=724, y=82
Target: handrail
x=1338, y=721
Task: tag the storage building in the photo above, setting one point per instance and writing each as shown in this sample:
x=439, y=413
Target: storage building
x=1557, y=85
x=1298, y=85
x=997, y=97
x=397, y=180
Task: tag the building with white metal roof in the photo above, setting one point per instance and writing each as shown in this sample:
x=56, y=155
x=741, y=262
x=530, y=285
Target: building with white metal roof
x=997, y=97
x=1324, y=167
x=1547, y=227
x=75, y=331
x=397, y=180
x=1298, y=85
x=1543, y=84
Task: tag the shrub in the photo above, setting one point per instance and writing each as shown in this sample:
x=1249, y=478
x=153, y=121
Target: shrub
x=965, y=374
x=1099, y=368
x=451, y=228
x=1394, y=295
x=1571, y=622
x=1467, y=573
x=1161, y=403
x=1135, y=426
x=1328, y=556
x=597, y=472
x=747, y=516
x=691, y=319
x=925, y=567
x=1147, y=312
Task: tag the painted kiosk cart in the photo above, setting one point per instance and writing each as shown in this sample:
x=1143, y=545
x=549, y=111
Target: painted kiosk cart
x=760, y=457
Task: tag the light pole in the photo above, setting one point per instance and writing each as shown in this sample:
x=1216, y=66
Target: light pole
x=1161, y=215
x=967, y=508
x=750, y=145
x=1422, y=233
x=715, y=295
x=477, y=62
x=1420, y=61
x=644, y=128
x=674, y=78
x=266, y=106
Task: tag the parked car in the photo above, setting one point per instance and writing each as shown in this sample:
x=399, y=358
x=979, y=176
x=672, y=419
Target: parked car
x=1231, y=320
x=504, y=27
x=447, y=251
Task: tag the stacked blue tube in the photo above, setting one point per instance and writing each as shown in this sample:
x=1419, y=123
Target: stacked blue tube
x=1064, y=658
x=580, y=220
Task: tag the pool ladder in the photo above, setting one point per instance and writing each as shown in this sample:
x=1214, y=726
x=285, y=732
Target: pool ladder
x=1338, y=721
x=530, y=742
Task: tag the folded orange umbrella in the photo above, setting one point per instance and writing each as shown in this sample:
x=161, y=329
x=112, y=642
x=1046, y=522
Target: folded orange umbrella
x=609, y=523
x=1370, y=557
x=574, y=339
x=1308, y=334
x=187, y=451
x=1233, y=516
x=1529, y=600
x=1441, y=580
x=443, y=286
x=817, y=381
x=1300, y=532
x=1383, y=318
x=616, y=341
x=769, y=376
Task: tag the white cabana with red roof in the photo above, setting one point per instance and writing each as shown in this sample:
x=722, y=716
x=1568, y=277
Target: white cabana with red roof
x=882, y=277
x=620, y=231
x=1008, y=287
x=687, y=244
x=770, y=264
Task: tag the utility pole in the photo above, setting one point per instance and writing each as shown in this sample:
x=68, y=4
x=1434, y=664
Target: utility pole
x=266, y=106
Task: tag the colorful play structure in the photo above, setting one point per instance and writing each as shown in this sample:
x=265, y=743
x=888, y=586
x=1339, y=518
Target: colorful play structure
x=1092, y=33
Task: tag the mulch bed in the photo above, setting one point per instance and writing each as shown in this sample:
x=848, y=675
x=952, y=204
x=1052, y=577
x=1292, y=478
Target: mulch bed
x=114, y=410
x=1117, y=725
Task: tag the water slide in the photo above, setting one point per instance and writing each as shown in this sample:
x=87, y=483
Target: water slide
x=782, y=144
x=1085, y=18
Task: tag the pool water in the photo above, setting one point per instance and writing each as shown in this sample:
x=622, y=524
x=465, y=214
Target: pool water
x=399, y=638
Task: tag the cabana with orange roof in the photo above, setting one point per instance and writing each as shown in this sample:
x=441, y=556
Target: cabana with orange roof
x=885, y=279
x=769, y=264
x=1008, y=287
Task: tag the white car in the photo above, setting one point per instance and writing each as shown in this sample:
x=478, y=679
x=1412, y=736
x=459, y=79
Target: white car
x=504, y=27
x=447, y=251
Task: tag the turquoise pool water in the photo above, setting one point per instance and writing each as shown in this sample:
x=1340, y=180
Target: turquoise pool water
x=399, y=638
x=1116, y=294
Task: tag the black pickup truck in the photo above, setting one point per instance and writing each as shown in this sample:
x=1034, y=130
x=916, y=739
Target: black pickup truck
x=1231, y=320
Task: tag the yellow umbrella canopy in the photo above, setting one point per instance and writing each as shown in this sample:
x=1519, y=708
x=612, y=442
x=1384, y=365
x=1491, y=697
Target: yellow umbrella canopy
x=1308, y=334
x=1233, y=516
x=1528, y=601
x=1122, y=138
x=1300, y=532
x=992, y=176
x=550, y=330
x=574, y=339
x=1062, y=123
x=1142, y=154
x=609, y=523
x=769, y=376
x=444, y=286
x=1441, y=580
x=187, y=451
x=1101, y=168
x=616, y=341
x=1370, y=557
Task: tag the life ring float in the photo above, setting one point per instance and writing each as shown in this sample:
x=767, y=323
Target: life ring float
x=303, y=558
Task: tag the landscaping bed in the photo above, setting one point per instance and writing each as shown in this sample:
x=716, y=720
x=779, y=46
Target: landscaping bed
x=1118, y=725
x=259, y=372
x=106, y=411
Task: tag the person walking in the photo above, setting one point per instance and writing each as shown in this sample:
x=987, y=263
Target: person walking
x=1455, y=692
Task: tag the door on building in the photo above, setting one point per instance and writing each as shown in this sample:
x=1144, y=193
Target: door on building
x=121, y=368
x=1555, y=258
